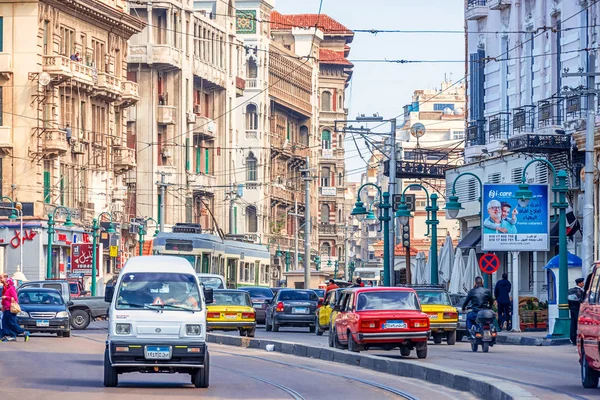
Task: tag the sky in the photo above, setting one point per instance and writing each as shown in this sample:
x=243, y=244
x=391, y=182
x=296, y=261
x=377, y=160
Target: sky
x=385, y=88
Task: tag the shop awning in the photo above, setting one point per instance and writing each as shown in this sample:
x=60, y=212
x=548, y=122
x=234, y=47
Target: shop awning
x=471, y=240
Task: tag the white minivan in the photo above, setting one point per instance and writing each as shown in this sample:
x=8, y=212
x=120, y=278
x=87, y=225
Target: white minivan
x=157, y=321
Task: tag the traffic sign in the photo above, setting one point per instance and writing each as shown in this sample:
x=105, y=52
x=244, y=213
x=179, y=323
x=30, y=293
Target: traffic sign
x=489, y=263
x=114, y=251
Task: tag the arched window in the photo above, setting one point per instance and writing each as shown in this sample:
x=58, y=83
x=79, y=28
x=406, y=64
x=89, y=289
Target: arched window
x=326, y=249
x=251, y=219
x=252, y=69
x=325, y=176
x=325, y=213
x=326, y=139
x=340, y=105
x=340, y=215
x=251, y=117
x=340, y=179
x=304, y=135
x=326, y=101
x=340, y=141
x=251, y=167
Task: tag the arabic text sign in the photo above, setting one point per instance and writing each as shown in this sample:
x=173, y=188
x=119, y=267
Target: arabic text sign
x=81, y=259
x=508, y=227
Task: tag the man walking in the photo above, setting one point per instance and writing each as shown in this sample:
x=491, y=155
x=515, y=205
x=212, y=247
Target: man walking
x=575, y=298
x=502, y=295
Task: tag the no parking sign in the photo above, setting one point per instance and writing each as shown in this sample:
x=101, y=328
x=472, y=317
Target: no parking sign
x=489, y=263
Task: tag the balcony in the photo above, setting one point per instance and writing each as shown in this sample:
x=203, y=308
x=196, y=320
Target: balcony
x=167, y=115
x=210, y=72
x=498, y=4
x=58, y=67
x=281, y=194
x=476, y=9
x=539, y=143
x=476, y=133
x=328, y=229
x=205, y=127
x=328, y=191
x=240, y=86
x=129, y=91
x=162, y=55
x=252, y=83
x=6, y=137
x=252, y=134
x=523, y=120
x=550, y=115
x=124, y=159
x=108, y=87
x=6, y=65
x=287, y=148
x=83, y=73
x=202, y=181
x=55, y=142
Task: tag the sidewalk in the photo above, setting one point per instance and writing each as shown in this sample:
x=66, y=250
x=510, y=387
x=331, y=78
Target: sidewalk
x=530, y=339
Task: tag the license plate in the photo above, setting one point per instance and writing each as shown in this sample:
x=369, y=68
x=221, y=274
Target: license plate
x=42, y=323
x=234, y=316
x=487, y=335
x=158, y=352
x=394, y=325
x=300, y=310
x=257, y=305
x=434, y=316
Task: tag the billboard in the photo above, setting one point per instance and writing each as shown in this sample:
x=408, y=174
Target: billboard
x=81, y=259
x=506, y=226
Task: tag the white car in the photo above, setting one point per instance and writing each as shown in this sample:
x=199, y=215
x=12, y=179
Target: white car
x=213, y=281
x=157, y=321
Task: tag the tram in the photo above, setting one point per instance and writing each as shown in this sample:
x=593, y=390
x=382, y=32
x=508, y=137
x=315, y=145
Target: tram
x=241, y=263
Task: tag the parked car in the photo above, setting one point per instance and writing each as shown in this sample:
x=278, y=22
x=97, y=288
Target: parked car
x=44, y=310
x=588, y=332
x=325, y=312
x=320, y=293
x=213, y=281
x=292, y=307
x=83, y=309
x=381, y=317
x=259, y=295
x=457, y=300
x=231, y=310
x=435, y=302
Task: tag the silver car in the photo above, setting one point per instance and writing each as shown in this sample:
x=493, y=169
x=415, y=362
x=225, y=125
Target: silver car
x=458, y=300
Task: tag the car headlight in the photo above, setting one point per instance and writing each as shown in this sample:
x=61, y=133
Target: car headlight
x=123, y=329
x=193, y=330
x=23, y=314
x=62, y=314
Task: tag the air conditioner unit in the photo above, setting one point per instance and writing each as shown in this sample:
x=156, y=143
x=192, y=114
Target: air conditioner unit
x=191, y=118
x=166, y=153
x=197, y=109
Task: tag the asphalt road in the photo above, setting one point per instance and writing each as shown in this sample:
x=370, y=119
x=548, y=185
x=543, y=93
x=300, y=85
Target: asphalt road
x=549, y=372
x=52, y=368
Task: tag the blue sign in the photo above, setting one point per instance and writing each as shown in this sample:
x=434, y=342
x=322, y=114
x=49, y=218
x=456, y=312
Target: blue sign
x=506, y=226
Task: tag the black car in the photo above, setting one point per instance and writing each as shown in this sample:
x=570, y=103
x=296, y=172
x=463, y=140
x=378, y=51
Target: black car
x=259, y=295
x=43, y=310
x=292, y=307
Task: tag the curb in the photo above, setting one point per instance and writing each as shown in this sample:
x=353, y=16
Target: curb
x=487, y=388
x=531, y=341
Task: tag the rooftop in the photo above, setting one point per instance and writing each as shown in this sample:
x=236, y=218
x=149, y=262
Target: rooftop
x=324, y=22
x=333, y=57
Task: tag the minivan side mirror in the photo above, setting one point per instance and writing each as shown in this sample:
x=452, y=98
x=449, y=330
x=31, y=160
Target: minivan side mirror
x=208, y=295
x=108, y=294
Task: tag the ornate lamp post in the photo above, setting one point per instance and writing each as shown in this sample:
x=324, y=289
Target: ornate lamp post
x=51, y=232
x=142, y=232
x=95, y=229
x=384, y=218
x=13, y=214
x=403, y=214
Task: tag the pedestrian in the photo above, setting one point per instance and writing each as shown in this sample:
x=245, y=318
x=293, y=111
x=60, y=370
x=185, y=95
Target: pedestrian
x=3, y=278
x=331, y=286
x=69, y=133
x=575, y=297
x=10, y=326
x=370, y=284
x=502, y=295
x=359, y=283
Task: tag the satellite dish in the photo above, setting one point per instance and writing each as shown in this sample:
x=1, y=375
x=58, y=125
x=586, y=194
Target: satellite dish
x=417, y=130
x=44, y=79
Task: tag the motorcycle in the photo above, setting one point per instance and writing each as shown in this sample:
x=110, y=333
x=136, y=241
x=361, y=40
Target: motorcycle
x=483, y=332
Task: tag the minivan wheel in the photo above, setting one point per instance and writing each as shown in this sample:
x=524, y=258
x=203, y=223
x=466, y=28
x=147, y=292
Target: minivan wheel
x=201, y=376
x=589, y=376
x=111, y=376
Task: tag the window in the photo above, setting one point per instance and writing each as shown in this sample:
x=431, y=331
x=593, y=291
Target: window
x=304, y=135
x=325, y=213
x=252, y=69
x=67, y=41
x=251, y=117
x=325, y=176
x=340, y=141
x=326, y=101
x=251, y=219
x=442, y=107
x=340, y=179
x=251, y=167
x=326, y=139
x=456, y=135
x=2, y=34
x=99, y=55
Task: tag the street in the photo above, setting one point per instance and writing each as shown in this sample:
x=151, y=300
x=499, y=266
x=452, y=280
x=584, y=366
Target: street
x=549, y=372
x=71, y=368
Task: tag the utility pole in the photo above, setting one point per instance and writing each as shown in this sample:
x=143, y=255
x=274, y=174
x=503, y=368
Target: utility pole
x=162, y=184
x=307, y=223
x=392, y=192
x=346, y=252
x=588, y=195
x=296, y=215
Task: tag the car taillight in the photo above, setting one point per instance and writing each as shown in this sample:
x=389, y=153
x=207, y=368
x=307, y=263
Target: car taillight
x=450, y=315
x=369, y=324
x=213, y=315
x=279, y=307
x=248, y=315
x=419, y=323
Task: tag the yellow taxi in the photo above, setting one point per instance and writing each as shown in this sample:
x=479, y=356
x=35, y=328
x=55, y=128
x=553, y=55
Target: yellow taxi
x=231, y=310
x=325, y=313
x=443, y=317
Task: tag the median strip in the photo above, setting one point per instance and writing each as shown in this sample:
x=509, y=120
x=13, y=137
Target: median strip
x=454, y=379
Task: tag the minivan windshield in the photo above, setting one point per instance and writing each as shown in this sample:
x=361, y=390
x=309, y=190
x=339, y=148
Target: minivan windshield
x=155, y=290
x=213, y=282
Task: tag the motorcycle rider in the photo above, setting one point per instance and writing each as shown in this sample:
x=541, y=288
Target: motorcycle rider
x=480, y=298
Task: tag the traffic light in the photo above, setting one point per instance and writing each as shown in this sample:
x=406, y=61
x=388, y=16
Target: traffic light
x=406, y=236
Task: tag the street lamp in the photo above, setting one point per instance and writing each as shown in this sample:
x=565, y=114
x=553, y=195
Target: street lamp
x=13, y=214
x=18, y=207
x=384, y=217
x=51, y=232
x=95, y=229
x=142, y=232
x=560, y=189
x=403, y=215
x=335, y=271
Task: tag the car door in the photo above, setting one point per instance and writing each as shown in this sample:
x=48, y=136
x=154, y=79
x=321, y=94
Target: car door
x=347, y=310
x=589, y=320
x=336, y=316
x=272, y=305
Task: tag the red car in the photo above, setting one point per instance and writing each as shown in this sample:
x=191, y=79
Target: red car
x=382, y=317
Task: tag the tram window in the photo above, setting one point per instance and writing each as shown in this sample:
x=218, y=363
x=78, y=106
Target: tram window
x=179, y=245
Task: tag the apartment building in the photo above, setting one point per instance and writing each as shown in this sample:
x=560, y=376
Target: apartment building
x=65, y=95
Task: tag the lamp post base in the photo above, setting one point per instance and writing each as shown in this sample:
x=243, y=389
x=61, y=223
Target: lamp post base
x=562, y=327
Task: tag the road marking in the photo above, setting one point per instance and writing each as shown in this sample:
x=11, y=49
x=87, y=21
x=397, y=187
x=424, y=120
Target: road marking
x=295, y=395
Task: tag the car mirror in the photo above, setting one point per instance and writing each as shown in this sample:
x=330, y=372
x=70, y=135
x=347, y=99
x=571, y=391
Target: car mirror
x=208, y=295
x=108, y=293
x=70, y=303
x=85, y=293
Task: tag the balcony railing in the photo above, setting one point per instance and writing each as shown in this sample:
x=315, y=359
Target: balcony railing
x=498, y=125
x=550, y=112
x=328, y=229
x=540, y=143
x=476, y=9
x=124, y=159
x=55, y=142
x=166, y=115
x=251, y=83
x=523, y=119
x=130, y=90
x=476, y=133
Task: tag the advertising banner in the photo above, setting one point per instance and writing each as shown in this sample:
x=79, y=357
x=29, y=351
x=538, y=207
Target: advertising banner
x=506, y=226
x=81, y=259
